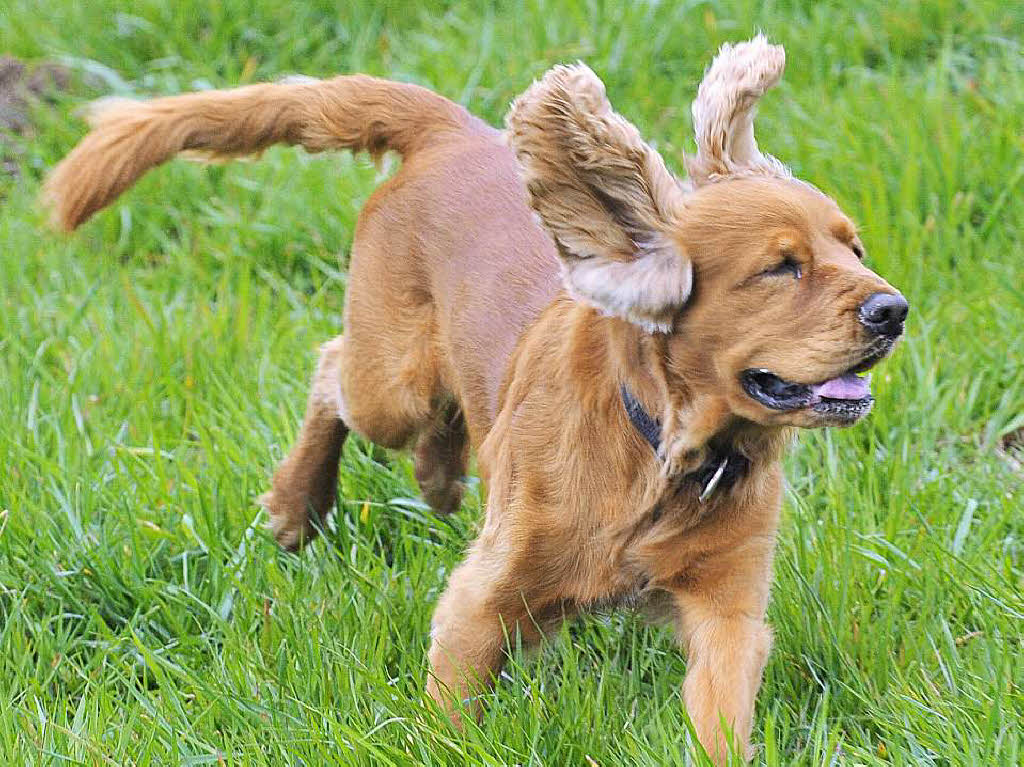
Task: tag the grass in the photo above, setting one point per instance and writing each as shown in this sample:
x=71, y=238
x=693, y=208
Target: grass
x=153, y=369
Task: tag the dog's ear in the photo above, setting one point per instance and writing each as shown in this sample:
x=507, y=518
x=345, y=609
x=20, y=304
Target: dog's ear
x=604, y=195
x=723, y=112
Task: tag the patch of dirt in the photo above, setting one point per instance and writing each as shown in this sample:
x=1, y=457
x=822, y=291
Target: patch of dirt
x=1011, y=448
x=1014, y=440
x=23, y=89
x=13, y=117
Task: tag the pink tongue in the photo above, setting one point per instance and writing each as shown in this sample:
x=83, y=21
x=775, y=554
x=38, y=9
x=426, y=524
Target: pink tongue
x=848, y=386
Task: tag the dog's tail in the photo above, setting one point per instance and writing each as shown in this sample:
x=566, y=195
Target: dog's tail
x=354, y=112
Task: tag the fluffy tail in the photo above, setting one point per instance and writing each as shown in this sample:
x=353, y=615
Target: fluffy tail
x=354, y=112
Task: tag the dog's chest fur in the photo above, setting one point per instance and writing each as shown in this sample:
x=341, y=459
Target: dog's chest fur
x=665, y=544
x=575, y=489
x=602, y=557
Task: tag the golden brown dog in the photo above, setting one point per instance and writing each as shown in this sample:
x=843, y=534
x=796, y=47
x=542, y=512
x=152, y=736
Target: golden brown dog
x=627, y=357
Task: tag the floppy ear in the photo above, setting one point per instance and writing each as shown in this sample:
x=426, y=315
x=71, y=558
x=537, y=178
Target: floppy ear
x=604, y=195
x=723, y=112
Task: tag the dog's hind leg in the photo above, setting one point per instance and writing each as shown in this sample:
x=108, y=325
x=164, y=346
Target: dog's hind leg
x=441, y=456
x=305, y=483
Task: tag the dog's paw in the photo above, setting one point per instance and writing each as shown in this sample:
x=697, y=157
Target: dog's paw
x=290, y=527
x=446, y=499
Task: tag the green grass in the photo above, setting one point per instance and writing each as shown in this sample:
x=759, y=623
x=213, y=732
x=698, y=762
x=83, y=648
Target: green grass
x=153, y=368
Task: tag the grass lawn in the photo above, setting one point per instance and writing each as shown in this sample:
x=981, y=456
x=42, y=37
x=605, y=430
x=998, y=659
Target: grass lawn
x=153, y=368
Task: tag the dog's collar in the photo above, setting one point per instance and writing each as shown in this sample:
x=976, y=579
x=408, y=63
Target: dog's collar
x=642, y=421
x=719, y=471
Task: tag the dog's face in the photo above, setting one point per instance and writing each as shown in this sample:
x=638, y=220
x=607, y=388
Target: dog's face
x=756, y=278
x=784, y=314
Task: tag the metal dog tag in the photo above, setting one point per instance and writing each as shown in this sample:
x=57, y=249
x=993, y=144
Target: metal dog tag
x=709, y=488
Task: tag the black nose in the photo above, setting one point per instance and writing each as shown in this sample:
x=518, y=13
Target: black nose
x=883, y=313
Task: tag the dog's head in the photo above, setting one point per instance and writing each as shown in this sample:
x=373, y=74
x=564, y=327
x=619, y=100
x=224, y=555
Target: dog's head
x=757, y=278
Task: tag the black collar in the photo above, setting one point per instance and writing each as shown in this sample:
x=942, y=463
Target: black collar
x=649, y=427
x=719, y=471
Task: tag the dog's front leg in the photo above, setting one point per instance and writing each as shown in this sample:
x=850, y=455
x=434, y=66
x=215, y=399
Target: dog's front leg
x=721, y=622
x=476, y=617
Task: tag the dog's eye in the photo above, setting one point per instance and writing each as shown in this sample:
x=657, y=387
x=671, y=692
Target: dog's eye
x=786, y=267
x=858, y=251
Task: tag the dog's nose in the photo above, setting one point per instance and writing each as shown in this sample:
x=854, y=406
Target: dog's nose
x=883, y=313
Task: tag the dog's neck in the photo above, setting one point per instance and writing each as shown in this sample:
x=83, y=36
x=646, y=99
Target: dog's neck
x=721, y=468
x=570, y=366
x=689, y=430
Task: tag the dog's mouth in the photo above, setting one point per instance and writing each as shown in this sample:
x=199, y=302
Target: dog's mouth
x=841, y=400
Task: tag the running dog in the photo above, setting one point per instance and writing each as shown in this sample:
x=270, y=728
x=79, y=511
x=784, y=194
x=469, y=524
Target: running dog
x=626, y=351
